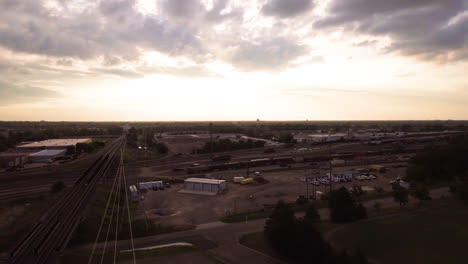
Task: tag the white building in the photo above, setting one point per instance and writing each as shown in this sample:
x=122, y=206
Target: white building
x=53, y=143
x=150, y=185
x=47, y=155
x=205, y=185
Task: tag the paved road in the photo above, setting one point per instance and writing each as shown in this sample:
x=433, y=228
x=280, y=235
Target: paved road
x=221, y=239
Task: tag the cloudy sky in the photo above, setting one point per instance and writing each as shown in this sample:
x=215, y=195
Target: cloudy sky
x=233, y=60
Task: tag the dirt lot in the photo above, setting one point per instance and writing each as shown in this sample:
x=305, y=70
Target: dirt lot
x=187, y=258
x=182, y=208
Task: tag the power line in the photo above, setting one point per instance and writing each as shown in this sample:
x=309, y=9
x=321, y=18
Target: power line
x=117, y=219
x=103, y=218
x=110, y=222
x=128, y=213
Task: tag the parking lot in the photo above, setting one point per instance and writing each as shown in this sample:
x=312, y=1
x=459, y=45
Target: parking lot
x=171, y=207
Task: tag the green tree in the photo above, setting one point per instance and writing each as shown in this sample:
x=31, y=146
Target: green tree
x=400, y=194
x=279, y=228
x=311, y=214
x=358, y=257
x=342, y=205
x=286, y=137
x=361, y=212
x=420, y=192
x=377, y=207
x=57, y=187
x=460, y=187
x=296, y=240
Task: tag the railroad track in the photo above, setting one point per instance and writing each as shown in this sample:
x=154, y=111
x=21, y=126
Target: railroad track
x=53, y=231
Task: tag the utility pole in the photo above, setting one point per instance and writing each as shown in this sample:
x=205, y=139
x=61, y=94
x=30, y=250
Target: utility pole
x=330, y=163
x=211, y=138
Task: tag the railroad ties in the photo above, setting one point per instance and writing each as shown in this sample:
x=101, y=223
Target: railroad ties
x=54, y=229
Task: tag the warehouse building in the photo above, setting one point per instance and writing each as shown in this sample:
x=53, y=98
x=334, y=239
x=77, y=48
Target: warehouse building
x=204, y=185
x=53, y=144
x=47, y=155
x=13, y=159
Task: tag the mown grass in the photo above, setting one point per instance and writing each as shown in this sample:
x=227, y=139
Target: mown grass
x=83, y=256
x=257, y=240
x=434, y=233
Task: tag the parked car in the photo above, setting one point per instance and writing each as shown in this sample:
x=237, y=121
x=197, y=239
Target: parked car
x=361, y=177
x=316, y=183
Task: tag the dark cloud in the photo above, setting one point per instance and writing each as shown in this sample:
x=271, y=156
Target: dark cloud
x=13, y=94
x=115, y=31
x=266, y=55
x=114, y=28
x=428, y=29
x=64, y=62
x=195, y=71
x=115, y=7
x=111, y=61
x=217, y=13
x=182, y=8
x=286, y=8
x=125, y=73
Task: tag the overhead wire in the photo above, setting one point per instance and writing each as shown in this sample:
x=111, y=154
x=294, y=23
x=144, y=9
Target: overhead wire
x=103, y=218
x=118, y=215
x=128, y=213
x=110, y=223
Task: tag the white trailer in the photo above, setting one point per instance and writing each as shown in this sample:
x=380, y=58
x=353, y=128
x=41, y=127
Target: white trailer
x=204, y=185
x=150, y=185
x=133, y=192
x=237, y=179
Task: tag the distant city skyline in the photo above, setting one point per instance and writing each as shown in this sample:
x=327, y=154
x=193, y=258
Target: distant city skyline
x=221, y=60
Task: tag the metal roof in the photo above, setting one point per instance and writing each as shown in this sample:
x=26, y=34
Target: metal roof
x=203, y=180
x=48, y=152
x=55, y=143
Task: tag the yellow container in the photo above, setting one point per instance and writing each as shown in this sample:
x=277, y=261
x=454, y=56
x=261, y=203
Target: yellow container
x=247, y=181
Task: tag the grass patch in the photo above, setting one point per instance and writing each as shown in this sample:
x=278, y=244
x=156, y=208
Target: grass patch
x=89, y=226
x=235, y=218
x=82, y=257
x=436, y=232
x=135, y=154
x=18, y=216
x=260, y=214
x=257, y=240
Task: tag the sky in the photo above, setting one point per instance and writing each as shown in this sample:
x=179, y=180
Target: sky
x=189, y=60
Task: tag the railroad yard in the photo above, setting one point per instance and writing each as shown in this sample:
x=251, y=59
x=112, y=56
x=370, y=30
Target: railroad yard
x=254, y=179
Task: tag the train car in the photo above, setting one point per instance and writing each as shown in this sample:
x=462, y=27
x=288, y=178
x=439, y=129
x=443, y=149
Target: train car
x=221, y=158
x=260, y=162
x=199, y=169
x=283, y=160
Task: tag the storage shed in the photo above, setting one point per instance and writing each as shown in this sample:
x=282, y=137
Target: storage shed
x=47, y=155
x=150, y=185
x=13, y=159
x=204, y=185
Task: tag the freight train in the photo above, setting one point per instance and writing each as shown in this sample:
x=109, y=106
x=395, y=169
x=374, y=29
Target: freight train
x=240, y=164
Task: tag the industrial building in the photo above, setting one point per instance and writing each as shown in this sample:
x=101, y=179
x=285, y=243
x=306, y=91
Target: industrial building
x=13, y=159
x=53, y=144
x=47, y=155
x=150, y=185
x=204, y=185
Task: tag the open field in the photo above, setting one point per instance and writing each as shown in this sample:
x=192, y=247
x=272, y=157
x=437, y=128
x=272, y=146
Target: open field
x=17, y=217
x=434, y=234
x=180, y=208
x=172, y=254
x=257, y=240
